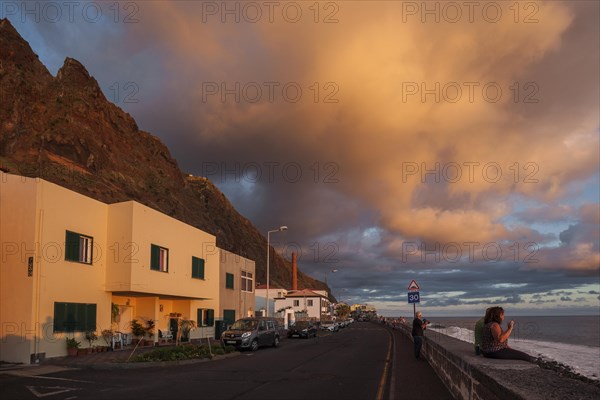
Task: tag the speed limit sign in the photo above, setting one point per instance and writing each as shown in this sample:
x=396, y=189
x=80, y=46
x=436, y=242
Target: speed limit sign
x=413, y=297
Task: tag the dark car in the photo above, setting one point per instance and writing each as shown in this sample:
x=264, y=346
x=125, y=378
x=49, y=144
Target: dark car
x=252, y=333
x=302, y=329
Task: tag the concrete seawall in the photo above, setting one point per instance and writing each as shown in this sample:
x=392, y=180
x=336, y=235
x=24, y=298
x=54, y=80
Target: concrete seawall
x=472, y=377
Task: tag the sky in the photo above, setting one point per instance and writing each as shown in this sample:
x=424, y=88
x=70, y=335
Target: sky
x=453, y=143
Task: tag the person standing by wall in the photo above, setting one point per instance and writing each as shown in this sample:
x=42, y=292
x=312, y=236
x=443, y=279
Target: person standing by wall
x=418, y=328
x=478, y=342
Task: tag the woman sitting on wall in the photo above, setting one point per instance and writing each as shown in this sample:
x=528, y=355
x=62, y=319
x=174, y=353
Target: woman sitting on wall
x=495, y=340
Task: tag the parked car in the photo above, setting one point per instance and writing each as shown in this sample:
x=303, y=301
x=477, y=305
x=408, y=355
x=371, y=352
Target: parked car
x=252, y=333
x=302, y=329
x=329, y=326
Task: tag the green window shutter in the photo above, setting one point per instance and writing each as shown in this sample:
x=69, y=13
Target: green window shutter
x=199, y=317
x=72, y=246
x=228, y=281
x=74, y=317
x=229, y=316
x=201, y=268
x=195, y=272
x=210, y=317
x=70, y=317
x=80, y=318
x=154, y=257
x=197, y=267
x=90, y=317
x=60, y=316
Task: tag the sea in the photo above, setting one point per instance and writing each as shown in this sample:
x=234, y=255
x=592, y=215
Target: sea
x=573, y=341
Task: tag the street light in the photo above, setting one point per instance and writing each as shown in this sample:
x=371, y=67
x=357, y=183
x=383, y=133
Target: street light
x=333, y=271
x=327, y=273
x=281, y=228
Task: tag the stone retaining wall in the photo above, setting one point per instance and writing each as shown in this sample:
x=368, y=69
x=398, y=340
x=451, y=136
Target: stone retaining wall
x=472, y=377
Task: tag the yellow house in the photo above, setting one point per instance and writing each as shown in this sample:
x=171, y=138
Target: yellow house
x=237, y=298
x=67, y=261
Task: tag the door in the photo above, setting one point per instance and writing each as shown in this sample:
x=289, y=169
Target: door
x=263, y=333
x=173, y=326
x=229, y=317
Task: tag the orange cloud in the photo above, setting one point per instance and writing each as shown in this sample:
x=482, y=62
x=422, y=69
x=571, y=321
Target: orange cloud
x=408, y=93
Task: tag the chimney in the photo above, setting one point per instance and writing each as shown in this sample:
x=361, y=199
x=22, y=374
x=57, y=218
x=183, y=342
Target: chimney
x=294, y=272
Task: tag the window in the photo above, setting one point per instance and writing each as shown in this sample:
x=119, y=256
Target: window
x=309, y=303
x=229, y=316
x=74, y=317
x=228, y=280
x=159, y=258
x=296, y=303
x=197, y=268
x=247, y=282
x=78, y=248
x=206, y=317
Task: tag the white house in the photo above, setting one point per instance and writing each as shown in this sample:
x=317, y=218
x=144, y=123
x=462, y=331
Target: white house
x=308, y=301
x=260, y=295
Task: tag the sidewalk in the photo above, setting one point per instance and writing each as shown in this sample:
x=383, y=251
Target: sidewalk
x=414, y=378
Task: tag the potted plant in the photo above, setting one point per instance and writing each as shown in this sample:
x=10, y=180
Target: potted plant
x=185, y=326
x=91, y=337
x=137, y=329
x=115, y=311
x=107, y=335
x=72, y=347
x=150, y=325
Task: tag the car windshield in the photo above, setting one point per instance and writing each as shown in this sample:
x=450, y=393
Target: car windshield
x=301, y=325
x=244, y=325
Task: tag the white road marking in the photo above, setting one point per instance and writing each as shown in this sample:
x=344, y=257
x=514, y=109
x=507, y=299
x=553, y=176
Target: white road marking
x=56, y=390
x=59, y=379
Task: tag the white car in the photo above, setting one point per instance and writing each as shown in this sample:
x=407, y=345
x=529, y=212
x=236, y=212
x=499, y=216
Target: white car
x=329, y=326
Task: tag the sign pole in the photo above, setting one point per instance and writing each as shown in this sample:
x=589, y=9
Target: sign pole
x=414, y=296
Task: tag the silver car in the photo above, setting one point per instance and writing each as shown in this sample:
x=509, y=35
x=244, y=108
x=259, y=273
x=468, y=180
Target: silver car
x=329, y=326
x=252, y=333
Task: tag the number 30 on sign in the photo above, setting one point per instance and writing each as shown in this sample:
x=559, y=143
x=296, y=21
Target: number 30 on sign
x=413, y=297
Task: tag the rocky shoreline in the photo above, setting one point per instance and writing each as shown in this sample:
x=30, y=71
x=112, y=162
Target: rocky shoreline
x=565, y=370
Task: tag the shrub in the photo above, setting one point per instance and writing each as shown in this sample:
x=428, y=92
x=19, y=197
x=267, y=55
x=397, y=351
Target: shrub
x=218, y=351
x=187, y=352
x=72, y=343
x=91, y=337
x=229, y=349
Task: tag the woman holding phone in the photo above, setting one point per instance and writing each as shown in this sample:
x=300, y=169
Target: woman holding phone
x=495, y=340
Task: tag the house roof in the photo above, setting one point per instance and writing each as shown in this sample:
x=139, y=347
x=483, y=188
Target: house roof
x=304, y=293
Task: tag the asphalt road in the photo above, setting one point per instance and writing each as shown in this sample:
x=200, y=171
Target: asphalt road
x=354, y=363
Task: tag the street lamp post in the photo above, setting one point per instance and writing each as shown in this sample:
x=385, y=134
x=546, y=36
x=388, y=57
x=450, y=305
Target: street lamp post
x=327, y=284
x=281, y=228
x=327, y=273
